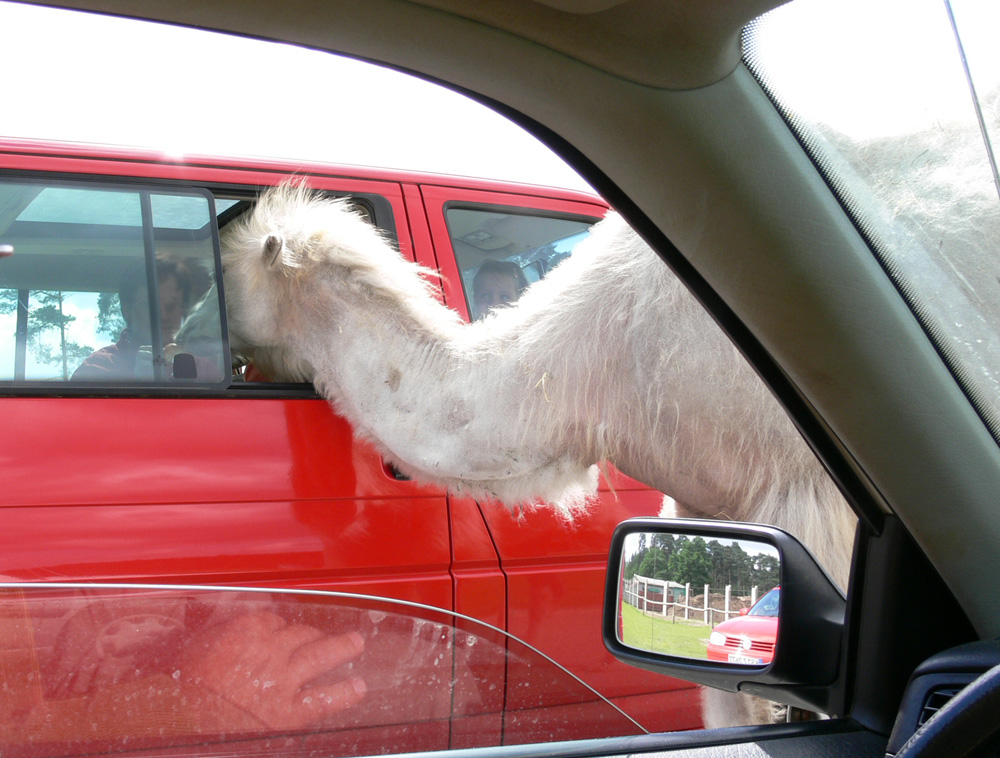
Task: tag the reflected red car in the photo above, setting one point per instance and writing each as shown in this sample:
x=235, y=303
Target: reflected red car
x=748, y=640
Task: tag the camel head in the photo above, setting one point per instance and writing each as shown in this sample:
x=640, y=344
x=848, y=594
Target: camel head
x=294, y=252
x=264, y=254
x=255, y=288
x=301, y=267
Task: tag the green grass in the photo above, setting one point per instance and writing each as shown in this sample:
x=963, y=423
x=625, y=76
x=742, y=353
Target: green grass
x=685, y=638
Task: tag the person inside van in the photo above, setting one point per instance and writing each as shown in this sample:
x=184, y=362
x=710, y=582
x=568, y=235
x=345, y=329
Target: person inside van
x=497, y=283
x=178, y=287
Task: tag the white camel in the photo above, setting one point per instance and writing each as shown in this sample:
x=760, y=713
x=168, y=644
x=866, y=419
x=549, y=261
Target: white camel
x=607, y=358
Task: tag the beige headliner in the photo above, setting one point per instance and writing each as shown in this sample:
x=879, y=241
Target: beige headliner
x=675, y=44
x=678, y=45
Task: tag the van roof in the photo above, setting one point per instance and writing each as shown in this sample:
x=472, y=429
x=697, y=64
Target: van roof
x=55, y=152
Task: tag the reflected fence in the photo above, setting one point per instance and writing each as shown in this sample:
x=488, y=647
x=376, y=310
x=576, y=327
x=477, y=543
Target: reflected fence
x=666, y=599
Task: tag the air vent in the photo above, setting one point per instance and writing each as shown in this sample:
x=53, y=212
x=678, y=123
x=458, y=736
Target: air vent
x=937, y=699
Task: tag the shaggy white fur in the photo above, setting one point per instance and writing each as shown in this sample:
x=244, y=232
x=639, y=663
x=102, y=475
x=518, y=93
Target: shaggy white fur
x=607, y=358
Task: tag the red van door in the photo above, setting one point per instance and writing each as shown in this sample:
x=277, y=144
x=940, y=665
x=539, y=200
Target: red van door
x=134, y=478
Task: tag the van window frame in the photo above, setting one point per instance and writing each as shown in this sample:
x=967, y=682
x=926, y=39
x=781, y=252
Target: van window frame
x=378, y=206
x=501, y=209
x=143, y=187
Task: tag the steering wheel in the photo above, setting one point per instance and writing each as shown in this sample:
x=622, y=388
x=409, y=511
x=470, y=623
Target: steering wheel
x=966, y=723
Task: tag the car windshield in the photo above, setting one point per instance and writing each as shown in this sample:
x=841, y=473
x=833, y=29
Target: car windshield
x=767, y=605
x=97, y=669
x=903, y=126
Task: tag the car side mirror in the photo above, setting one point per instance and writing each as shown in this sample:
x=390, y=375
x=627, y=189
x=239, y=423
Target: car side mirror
x=740, y=607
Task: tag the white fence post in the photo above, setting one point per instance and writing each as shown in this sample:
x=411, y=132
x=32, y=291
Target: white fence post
x=636, y=593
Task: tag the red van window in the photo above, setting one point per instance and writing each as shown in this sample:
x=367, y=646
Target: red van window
x=99, y=279
x=501, y=251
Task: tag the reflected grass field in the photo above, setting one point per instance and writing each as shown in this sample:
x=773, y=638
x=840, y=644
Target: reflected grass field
x=685, y=638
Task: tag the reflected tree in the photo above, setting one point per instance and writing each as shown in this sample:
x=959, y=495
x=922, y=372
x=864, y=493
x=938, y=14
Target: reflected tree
x=47, y=314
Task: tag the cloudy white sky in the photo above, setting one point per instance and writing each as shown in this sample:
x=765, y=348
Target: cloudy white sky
x=874, y=68
x=99, y=79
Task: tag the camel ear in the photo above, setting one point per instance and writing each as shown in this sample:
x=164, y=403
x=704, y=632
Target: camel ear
x=273, y=247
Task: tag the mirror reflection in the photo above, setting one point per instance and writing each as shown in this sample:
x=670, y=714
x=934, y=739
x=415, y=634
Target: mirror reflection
x=688, y=596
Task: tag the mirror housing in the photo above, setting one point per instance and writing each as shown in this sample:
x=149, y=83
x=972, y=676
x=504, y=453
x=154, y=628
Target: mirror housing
x=811, y=620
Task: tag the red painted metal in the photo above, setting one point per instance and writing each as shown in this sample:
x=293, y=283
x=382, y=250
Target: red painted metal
x=272, y=491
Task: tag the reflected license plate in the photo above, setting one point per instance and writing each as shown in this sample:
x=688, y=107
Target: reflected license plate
x=745, y=660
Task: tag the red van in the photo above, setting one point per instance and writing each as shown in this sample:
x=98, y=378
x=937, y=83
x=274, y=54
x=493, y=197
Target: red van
x=193, y=474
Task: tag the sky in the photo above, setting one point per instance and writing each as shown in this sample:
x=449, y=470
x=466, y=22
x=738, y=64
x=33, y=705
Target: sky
x=89, y=78
x=901, y=82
